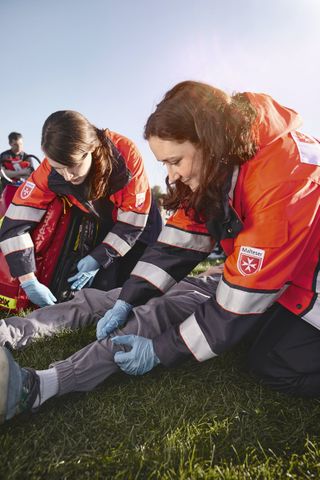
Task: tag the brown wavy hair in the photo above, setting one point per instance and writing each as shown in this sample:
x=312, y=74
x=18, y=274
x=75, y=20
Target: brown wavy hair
x=222, y=126
x=67, y=137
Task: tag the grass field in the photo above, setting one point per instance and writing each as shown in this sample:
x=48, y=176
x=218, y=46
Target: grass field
x=196, y=421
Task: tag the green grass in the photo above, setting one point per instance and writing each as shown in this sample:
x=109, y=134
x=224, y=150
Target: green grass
x=196, y=421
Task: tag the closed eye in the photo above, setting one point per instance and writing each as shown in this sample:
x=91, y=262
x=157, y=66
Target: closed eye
x=171, y=162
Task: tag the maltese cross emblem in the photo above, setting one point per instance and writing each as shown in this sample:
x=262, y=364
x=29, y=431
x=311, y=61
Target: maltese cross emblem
x=250, y=260
x=27, y=189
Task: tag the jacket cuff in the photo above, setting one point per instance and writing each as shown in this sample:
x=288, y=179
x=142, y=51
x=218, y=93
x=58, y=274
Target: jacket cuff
x=103, y=255
x=21, y=264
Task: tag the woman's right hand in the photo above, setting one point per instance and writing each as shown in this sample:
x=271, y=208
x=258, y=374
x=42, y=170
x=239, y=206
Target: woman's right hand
x=37, y=293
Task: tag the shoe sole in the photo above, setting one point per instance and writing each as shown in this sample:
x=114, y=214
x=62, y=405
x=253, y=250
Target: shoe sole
x=4, y=383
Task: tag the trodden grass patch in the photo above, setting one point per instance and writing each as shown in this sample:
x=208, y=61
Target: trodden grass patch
x=195, y=421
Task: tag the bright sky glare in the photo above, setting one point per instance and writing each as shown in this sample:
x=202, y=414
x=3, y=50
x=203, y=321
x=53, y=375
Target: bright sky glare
x=113, y=60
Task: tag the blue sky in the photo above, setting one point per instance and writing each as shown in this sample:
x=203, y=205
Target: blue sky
x=113, y=60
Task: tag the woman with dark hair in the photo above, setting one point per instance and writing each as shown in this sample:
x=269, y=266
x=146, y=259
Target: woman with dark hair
x=239, y=172
x=102, y=173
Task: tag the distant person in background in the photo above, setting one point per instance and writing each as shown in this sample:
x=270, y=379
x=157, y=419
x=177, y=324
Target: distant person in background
x=15, y=163
x=102, y=173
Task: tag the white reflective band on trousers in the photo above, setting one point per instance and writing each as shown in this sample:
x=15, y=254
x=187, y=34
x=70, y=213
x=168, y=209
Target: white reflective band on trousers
x=242, y=301
x=195, y=340
x=183, y=239
x=20, y=212
x=117, y=243
x=132, y=218
x=15, y=244
x=155, y=275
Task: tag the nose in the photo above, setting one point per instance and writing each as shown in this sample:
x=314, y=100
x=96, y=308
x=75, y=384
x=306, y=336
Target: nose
x=67, y=175
x=173, y=174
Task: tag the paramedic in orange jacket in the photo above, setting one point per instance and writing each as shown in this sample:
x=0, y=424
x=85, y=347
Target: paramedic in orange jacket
x=241, y=173
x=102, y=173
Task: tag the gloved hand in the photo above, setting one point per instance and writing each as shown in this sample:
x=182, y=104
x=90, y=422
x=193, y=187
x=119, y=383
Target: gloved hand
x=38, y=293
x=87, y=267
x=112, y=319
x=141, y=358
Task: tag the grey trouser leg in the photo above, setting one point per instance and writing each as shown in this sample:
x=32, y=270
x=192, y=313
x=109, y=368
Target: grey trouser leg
x=85, y=308
x=91, y=365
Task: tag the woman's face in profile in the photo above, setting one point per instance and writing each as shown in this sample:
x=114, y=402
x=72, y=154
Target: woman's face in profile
x=182, y=160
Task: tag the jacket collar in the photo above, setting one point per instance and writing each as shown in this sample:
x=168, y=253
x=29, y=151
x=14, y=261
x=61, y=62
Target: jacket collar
x=231, y=225
x=120, y=175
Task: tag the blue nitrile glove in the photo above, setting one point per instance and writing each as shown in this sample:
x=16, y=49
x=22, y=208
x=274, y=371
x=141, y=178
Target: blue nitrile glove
x=38, y=293
x=87, y=267
x=112, y=319
x=141, y=358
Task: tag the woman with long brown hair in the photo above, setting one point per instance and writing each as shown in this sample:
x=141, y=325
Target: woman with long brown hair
x=241, y=173
x=100, y=172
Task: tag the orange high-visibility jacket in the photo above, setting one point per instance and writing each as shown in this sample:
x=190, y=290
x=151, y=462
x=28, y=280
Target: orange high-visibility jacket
x=124, y=210
x=271, y=237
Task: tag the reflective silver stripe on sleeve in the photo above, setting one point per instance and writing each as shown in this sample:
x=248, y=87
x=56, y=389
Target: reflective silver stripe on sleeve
x=313, y=316
x=117, y=243
x=154, y=275
x=242, y=302
x=20, y=242
x=132, y=218
x=183, y=239
x=20, y=212
x=195, y=340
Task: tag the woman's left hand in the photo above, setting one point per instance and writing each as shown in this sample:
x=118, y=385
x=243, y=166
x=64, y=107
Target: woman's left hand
x=87, y=267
